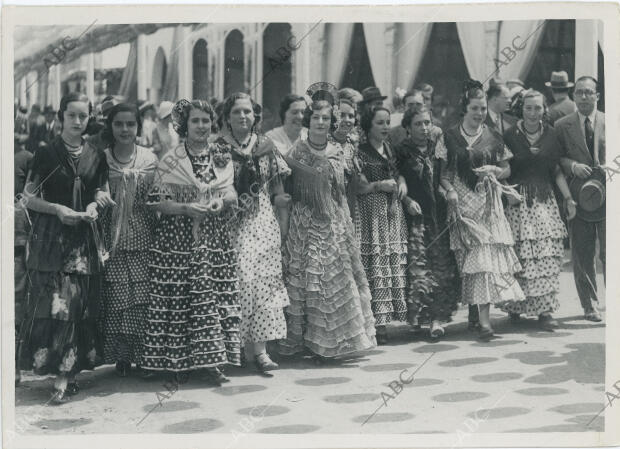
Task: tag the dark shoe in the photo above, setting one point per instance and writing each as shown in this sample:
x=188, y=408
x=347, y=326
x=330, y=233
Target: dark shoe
x=123, y=368
x=548, y=322
x=59, y=397
x=593, y=316
x=264, y=363
x=486, y=333
x=72, y=388
x=473, y=313
x=216, y=376
x=514, y=317
x=473, y=326
x=147, y=374
x=318, y=360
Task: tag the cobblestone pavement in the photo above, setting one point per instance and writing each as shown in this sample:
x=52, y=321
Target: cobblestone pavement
x=527, y=380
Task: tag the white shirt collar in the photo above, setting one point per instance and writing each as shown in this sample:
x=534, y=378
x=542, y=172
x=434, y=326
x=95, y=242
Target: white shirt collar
x=592, y=117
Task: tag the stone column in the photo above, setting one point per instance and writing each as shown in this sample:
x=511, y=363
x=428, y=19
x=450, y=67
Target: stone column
x=90, y=76
x=586, y=48
x=143, y=70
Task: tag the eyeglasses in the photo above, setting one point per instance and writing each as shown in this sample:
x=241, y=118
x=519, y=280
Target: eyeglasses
x=585, y=93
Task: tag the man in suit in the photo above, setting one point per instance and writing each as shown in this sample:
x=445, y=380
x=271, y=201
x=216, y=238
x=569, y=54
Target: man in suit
x=562, y=105
x=582, y=139
x=52, y=124
x=498, y=101
x=36, y=128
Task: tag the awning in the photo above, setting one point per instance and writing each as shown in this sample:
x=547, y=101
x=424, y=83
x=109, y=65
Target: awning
x=34, y=43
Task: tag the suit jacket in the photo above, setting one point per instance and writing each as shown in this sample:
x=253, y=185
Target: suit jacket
x=506, y=124
x=561, y=109
x=573, y=142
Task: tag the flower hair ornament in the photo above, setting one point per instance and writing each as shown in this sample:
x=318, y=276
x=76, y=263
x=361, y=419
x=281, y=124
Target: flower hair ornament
x=400, y=92
x=327, y=92
x=180, y=114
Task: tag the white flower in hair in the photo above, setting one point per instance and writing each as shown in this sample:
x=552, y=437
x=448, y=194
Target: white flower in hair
x=400, y=92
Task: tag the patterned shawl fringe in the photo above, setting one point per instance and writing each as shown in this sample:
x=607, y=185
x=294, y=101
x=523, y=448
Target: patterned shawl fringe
x=311, y=187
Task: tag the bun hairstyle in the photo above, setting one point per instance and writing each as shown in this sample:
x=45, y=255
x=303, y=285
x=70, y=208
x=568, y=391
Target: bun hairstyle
x=108, y=135
x=369, y=115
x=472, y=90
x=411, y=112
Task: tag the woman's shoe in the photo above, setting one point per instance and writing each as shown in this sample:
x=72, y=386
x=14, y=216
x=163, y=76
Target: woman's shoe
x=59, y=397
x=123, y=368
x=72, y=388
x=264, y=363
x=473, y=326
x=486, y=333
x=437, y=331
x=216, y=376
x=547, y=322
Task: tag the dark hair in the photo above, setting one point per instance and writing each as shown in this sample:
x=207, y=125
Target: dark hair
x=494, y=90
x=472, y=90
x=35, y=108
x=411, y=93
x=588, y=77
x=369, y=115
x=108, y=134
x=182, y=111
x=70, y=98
x=411, y=112
x=317, y=106
x=423, y=87
x=229, y=103
x=286, y=103
x=560, y=90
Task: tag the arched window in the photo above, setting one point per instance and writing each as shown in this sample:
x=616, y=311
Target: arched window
x=277, y=71
x=233, y=63
x=200, y=71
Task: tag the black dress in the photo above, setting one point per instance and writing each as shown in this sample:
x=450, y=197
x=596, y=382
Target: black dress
x=60, y=331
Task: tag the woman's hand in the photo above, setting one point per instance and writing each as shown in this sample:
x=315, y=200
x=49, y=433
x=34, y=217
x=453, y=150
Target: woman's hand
x=452, y=197
x=67, y=215
x=402, y=188
x=486, y=170
x=282, y=200
x=91, y=213
x=215, y=206
x=571, y=209
x=103, y=199
x=413, y=208
x=196, y=210
x=387, y=185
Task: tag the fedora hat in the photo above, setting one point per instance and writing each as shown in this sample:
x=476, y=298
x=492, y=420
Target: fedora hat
x=371, y=94
x=559, y=80
x=590, y=195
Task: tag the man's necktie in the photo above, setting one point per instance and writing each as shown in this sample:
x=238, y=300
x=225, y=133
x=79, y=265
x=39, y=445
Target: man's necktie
x=589, y=133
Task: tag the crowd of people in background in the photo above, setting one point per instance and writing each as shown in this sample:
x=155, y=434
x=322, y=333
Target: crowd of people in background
x=182, y=238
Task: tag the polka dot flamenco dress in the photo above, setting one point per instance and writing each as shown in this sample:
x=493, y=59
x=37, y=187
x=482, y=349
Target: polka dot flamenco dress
x=193, y=317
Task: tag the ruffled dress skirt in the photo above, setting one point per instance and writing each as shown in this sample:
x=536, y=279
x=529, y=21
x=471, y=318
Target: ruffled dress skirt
x=383, y=249
x=193, y=314
x=330, y=312
x=487, y=268
x=538, y=231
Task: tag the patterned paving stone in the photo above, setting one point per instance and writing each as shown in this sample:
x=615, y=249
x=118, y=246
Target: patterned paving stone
x=383, y=417
x=263, y=410
x=170, y=406
x=234, y=390
x=352, y=398
x=387, y=367
x=456, y=363
x=193, y=426
x=320, y=381
x=290, y=429
x=499, y=412
x=460, y=396
x=438, y=347
x=542, y=391
x=496, y=377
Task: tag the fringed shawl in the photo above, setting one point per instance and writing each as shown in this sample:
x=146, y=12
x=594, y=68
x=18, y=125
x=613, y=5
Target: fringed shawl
x=417, y=169
x=533, y=172
x=124, y=183
x=488, y=149
x=315, y=181
x=175, y=179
